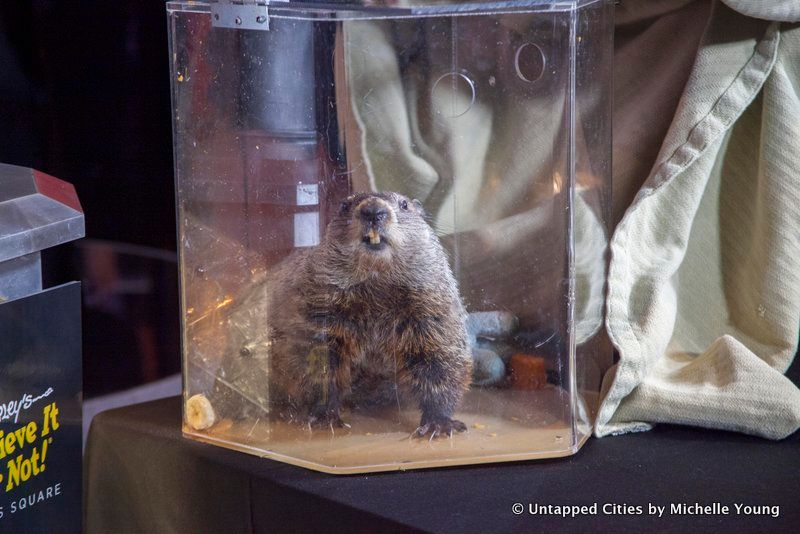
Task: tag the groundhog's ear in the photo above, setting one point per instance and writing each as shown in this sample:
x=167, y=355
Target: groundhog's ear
x=418, y=205
x=344, y=207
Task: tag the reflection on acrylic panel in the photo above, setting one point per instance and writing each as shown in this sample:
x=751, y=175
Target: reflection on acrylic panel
x=392, y=223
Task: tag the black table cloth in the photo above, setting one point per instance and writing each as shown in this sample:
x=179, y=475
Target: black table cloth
x=141, y=475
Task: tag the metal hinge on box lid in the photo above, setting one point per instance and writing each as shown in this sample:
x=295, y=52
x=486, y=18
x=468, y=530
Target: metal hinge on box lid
x=242, y=14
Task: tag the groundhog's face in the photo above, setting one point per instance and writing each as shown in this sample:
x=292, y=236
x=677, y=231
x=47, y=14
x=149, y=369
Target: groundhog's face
x=374, y=227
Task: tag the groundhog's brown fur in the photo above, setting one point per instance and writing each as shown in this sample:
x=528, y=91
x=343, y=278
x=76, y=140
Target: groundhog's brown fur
x=374, y=306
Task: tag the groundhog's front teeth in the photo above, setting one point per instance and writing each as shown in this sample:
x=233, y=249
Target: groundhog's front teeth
x=374, y=237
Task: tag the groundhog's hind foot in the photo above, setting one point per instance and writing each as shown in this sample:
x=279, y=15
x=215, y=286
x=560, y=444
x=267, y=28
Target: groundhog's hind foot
x=326, y=418
x=439, y=428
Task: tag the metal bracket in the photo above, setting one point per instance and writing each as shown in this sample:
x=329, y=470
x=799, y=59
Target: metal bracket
x=240, y=14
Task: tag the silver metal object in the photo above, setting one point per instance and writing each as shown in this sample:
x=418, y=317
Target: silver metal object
x=37, y=211
x=240, y=14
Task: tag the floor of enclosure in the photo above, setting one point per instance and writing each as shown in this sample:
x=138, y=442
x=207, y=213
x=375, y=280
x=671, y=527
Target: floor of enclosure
x=503, y=425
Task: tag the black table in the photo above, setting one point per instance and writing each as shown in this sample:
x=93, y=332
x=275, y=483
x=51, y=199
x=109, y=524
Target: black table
x=141, y=475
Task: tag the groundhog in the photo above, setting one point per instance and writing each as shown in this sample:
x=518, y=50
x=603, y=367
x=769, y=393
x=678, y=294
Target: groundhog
x=374, y=307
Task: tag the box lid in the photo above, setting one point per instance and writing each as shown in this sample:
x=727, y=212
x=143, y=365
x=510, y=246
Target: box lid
x=376, y=9
x=37, y=211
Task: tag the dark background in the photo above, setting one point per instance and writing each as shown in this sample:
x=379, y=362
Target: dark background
x=85, y=97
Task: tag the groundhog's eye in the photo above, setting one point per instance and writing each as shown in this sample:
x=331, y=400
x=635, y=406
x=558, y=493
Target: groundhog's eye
x=344, y=207
x=403, y=204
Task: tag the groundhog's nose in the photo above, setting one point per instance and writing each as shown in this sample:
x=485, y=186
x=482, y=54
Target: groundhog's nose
x=374, y=213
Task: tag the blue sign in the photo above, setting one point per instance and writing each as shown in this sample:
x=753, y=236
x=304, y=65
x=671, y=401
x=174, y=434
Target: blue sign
x=40, y=412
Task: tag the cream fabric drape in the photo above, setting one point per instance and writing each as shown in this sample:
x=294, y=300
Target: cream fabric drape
x=704, y=286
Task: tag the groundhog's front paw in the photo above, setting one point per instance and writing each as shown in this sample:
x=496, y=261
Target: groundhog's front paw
x=326, y=418
x=439, y=428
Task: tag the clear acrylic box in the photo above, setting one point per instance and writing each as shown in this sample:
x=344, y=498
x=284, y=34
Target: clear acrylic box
x=393, y=223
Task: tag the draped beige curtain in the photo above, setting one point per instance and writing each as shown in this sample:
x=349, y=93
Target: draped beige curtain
x=704, y=284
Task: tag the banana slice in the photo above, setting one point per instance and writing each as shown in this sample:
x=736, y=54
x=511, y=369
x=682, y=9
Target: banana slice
x=199, y=412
